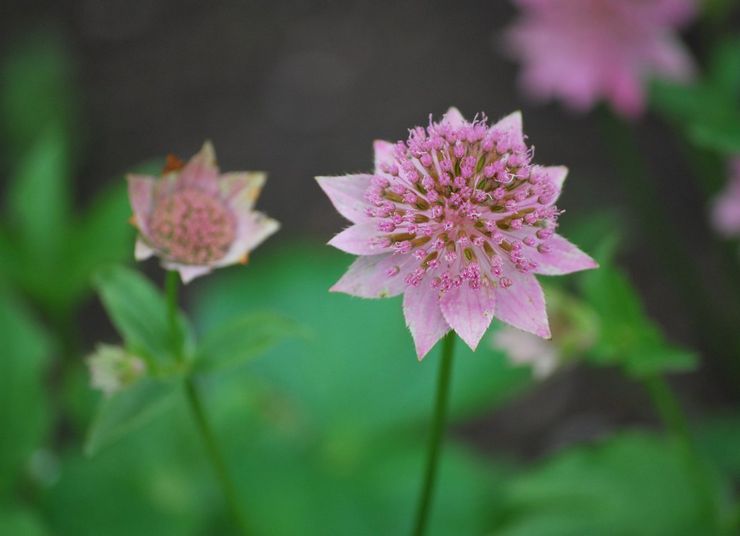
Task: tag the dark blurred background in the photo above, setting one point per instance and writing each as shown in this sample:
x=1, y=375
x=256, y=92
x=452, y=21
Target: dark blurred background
x=301, y=89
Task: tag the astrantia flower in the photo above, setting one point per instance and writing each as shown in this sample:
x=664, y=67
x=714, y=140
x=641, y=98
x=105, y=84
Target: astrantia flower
x=459, y=220
x=726, y=209
x=112, y=369
x=582, y=51
x=196, y=219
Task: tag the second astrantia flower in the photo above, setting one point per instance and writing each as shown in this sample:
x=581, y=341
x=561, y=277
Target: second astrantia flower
x=459, y=220
x=196, y=219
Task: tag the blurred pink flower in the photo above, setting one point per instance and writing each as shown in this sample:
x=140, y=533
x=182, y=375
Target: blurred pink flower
x=726, y=209
x=459, y=220
x=523, y=348
x=582, y=51
x=196, y=219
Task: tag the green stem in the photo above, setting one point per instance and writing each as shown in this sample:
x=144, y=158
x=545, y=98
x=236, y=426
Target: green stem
x=436, y=435
x=672, y=416
x=222, y=473
x=197, y=409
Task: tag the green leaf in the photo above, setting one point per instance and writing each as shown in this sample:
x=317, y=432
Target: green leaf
x=20, y=522
x=24, y=414
x=628, y=337
x=39, y=200
x=127, y=410
x=631, y=484
x=243, y=339
x=139, y=312
x=724, y=69
x=36, y=90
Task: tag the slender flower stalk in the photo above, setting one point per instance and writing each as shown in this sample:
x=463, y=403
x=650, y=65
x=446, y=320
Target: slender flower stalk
x=436, y=435
x=199, y=413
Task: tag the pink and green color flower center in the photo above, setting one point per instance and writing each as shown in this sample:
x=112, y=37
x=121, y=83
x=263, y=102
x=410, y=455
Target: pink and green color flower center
x=192, y=226
x=466, y=203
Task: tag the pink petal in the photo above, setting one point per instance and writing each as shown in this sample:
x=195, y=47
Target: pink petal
x=201, y=170
x=359, y=239
x=142, y=251
x=557, y=175
x=561, y=258
x=375, y=276
x=253, y=228
x=347, y=195
x=423, y=317
x=140, y=194
x=523, y=304
x=383, y=154
x=512, y=124
x=187, y=272
x=242, y=189
x=468, y=311
x=454, y=118
x=673, y=60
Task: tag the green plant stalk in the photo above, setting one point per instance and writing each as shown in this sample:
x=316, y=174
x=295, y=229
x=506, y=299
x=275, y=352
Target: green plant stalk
x=436, y=435
x=672, y=416
x=198, y=410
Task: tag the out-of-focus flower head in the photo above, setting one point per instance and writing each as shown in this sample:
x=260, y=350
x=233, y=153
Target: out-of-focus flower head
x=196, y=219
x=112, y=369
x=574, y=331
x=459, y=220
x=583, y=51
x=726, y=209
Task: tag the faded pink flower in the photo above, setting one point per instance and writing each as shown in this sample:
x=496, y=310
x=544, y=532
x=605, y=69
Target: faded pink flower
x=582, y=51
x=726, y=209
x=459, y=220
x=196, y=219
x=523, y=348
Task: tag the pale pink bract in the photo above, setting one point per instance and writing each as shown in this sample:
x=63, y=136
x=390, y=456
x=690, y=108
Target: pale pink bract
x=583, y=51
x=459, y=220
x=726, y=208
x=196, y=219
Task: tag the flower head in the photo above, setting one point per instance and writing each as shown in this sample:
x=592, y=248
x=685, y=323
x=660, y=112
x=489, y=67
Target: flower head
x=196, y=219
x=112, y=369
x=726, y=209
x=458, y=219
x=582, y=51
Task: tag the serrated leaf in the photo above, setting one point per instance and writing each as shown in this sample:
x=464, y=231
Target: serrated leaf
x=139, y=312
x=129, y=409
x=243, y=339
x=24, y=414
x=628, y=337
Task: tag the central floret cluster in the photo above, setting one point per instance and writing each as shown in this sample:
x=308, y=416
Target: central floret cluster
x=459, y=220
x=466, y=202
x=192, y=226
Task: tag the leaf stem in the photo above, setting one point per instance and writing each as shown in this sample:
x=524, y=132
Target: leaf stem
x=672, y=416
x=436, y=435
x=198, y=410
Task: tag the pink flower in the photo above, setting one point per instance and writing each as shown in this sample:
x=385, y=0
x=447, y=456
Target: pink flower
x=582, y=51
x=459, y=220
x=726, y=209
x=523, y=348
x=195, y=219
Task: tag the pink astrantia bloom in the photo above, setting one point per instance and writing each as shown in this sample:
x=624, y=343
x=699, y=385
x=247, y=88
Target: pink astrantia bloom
x=459, y=220
x=726, y=209
x=196, y=219
x=582, y=51
x=523, y=348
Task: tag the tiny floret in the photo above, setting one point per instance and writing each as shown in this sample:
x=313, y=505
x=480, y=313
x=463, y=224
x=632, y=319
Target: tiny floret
x=196, y=219
x=113, y=369
x=584, y=51
x=459, y=219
